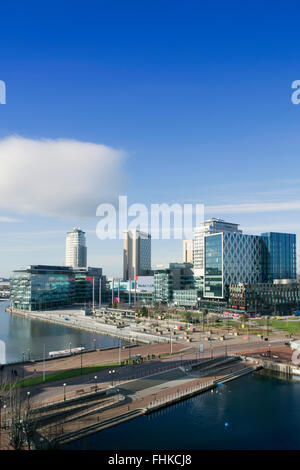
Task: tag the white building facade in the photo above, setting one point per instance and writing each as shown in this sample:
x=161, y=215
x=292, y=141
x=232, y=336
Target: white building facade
x=187, y=251
x=76, y=250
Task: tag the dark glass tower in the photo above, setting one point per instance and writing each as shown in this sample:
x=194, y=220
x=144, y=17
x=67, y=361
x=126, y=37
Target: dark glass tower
x=278, y=256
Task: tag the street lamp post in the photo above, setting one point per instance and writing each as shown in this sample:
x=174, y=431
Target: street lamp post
x=112, y=372
x=28, y=398
x=64, y=385
x=119, y=351
x=4, y=408
x=95, y=378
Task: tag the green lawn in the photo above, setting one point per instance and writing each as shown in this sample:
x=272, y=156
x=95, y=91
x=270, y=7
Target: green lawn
x=62, y=375
x=291, y=327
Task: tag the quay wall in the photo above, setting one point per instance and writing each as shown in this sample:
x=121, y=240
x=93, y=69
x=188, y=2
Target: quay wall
x=98, y=328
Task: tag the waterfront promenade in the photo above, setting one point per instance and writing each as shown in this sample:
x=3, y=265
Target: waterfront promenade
x=145, y=394
x=180, y=352
x=132, y=388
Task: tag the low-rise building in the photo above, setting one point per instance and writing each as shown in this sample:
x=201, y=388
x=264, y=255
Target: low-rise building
x=186, y=297
x=265, y=297
x=43, y=287
x=178, y=276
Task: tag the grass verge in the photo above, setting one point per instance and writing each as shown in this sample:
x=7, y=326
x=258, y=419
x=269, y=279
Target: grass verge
x=65, y=374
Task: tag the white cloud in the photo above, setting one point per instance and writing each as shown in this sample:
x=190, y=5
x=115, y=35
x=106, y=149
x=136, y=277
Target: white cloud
x=8, y=220
x=255, y=207
x=57, y=177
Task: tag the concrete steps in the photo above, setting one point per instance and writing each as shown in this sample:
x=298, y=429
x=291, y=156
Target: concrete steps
x=63, y=439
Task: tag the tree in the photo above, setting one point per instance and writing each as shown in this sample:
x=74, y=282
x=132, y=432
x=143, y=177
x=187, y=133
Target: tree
x=18, y=417
x=188, y=316
x=144, y=311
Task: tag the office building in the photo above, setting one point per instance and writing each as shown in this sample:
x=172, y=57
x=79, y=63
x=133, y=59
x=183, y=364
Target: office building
x=136, y=254
x=187, y=251
x=90, y=286
x=266, y=298
x=76, y=250
x=178, y=276
x=138, y=292
x=43, y=287
x=230, y=258
x=189, y=298
x=278, y=256
x=213, y=225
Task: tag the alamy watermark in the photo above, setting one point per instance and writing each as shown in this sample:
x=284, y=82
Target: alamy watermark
x=161, y=221
x=296, y=94
x=2, y=92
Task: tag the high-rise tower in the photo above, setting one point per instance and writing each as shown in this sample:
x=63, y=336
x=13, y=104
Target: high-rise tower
x=76, y=250
x=136, y=254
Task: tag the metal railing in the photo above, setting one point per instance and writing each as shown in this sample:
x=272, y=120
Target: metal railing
x=180, y=394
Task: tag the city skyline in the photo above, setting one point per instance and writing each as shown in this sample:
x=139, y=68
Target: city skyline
x=126, y=264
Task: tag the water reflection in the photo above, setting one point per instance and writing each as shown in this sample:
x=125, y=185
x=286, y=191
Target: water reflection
x=26, y=338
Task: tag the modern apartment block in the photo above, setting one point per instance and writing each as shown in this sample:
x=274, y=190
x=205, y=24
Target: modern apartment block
x=187, y=251
x=230, y=258
x=278, y=256
x=136, y=254
x=213, y=225
x=76, y=250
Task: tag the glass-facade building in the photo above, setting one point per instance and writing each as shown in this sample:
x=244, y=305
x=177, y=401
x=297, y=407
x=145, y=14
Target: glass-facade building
x=278, y=256
x=128, y=292
x=186, y=297
x=42, y=287
x=178, y=277
x=213, y=274
x=230, y=258
x=265, y=297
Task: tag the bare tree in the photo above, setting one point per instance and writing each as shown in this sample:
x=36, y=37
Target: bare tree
x=18, y=417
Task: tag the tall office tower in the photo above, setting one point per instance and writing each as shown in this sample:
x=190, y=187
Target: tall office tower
x=136, y=254
x=76, y=251
x=187, y=251
x=230, y=258
x=278, y=256
x=209, y=226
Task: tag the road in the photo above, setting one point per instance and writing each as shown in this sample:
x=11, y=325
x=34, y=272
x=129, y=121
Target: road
x=53, y=391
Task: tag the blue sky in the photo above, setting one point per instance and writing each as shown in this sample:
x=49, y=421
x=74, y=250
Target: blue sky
x=195, y=96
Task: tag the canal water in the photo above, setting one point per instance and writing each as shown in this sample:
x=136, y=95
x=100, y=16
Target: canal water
x=24, y=335
x=258, y=411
